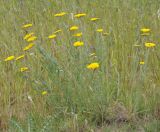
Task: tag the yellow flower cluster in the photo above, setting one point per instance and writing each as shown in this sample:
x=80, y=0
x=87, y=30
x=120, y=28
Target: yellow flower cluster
x=29, y=46
x=80, y=15
x=99, y=30
x=150, y=45
x=52, y=36
x=77, y=34
x=78, y=44
x=93, y=66
x=141, y=63
x=145, y=31
x=23, y=69
x=60, y=14
x=9, y=58
x=73, y=28
x=94, y=19
x=20, y=57
x=30, y=37
x=27, y=25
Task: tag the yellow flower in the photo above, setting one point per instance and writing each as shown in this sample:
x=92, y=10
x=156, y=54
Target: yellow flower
x=60, y=14
x=31, y=39
x=141, y=62
x=145, y=30
x=78, y=44
x=52, y=36
x=20, y=57
x=150, y=45
x=10, y=58
x=44, y=92
x=80, y=15
x=22, y=69
x=57, y=31
x=100, y=30
x=74, y=28
x=29, y=46
x=93, y=66
x=94, y=19
x=27, y=25
x=77, y=35
x=28, y=36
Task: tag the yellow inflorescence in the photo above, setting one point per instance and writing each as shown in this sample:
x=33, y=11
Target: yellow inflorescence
x=60, y=14
x=145, y=30
x=27, y=25
x=31, y=39
x=141, y=63
x=99, y=30
x=29, y=46
x=27, y=36
x=57, y=31
x=150, y=45
x=80, y=15
x=94, y=19
x=44, y=92
x=78, y=44
x=74, y=28
x=20, y=57
x=52, y=36
x=77, y=35
x=9, y=58
x=23, y=69
x=93, y=66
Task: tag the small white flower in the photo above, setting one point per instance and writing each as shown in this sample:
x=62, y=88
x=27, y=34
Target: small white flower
x=72, y=16
x=31, y=54
x=30, y=98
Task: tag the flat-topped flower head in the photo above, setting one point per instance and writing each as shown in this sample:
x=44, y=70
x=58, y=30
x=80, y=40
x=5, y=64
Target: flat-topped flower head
x=145, y=30
x=78, y=44
x=73, y=28
x=29, y=46
x=150, y=45
x=141, y=63
x=93, y=66
x=44, y=92
x=77, y=34
x=80, y=15
x=23, y=69
x=52, y=36
x=20, y=57
x=9, y=58
x=27, y=36
x=94, y=19
x=27, y=25
x=100, y=30
x=60, y=14
x=31, y=39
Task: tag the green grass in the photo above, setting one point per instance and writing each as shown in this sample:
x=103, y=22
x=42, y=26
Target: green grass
x=121, y=95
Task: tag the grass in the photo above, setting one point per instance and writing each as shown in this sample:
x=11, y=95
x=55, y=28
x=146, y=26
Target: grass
x=121, y=95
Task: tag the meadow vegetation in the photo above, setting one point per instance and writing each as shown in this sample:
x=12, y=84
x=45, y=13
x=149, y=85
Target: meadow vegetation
x=79, y=65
